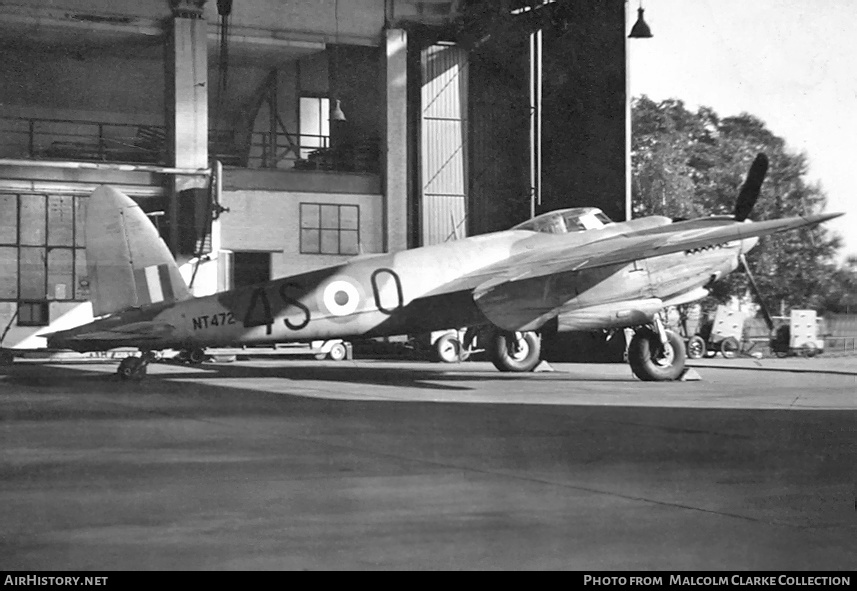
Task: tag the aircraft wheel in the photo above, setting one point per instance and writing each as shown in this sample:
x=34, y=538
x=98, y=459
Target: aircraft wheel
x=652, y=361
x=515, y=351
x=447, y=348
x=132, y=368
x=196, y=356
x=338, y=352
x=729, y=347
x=696, y=348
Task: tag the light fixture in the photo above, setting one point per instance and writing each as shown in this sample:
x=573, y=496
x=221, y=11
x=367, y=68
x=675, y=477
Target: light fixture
x=336, y=113
x=640, y=30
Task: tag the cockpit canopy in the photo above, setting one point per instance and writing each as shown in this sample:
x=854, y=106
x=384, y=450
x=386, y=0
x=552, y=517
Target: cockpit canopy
x=563, y=221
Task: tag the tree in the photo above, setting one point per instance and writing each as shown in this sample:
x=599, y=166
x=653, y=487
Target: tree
x=687, y=164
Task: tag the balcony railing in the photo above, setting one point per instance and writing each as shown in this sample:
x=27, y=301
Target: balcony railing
x=313, y=152
x=63, y=139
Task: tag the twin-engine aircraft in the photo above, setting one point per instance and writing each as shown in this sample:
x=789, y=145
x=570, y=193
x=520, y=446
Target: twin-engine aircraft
x=571, y=269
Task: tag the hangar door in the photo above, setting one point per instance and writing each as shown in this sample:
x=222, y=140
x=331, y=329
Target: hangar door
x=443, y=149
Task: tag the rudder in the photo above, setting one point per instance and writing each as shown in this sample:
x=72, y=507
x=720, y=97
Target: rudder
x=128, y=263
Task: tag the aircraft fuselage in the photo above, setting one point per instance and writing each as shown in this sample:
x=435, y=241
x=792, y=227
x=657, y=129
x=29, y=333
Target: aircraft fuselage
x=413, y=291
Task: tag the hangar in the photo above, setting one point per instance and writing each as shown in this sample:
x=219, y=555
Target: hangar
x=267, y=138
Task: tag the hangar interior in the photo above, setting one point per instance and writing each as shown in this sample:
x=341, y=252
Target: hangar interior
x=271, y=137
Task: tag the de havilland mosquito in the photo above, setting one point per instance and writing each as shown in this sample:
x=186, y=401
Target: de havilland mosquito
x=571, y=269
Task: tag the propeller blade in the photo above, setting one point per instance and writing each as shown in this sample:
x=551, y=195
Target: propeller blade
x=750, y=189
x=767, y=315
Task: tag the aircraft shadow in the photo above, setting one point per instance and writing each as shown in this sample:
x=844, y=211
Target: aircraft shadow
x=455, y=377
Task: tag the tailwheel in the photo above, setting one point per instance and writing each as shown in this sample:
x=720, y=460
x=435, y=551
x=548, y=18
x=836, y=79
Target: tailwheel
x=135, y=368
x=654, y=361
x=515, y=351
x=132, y=368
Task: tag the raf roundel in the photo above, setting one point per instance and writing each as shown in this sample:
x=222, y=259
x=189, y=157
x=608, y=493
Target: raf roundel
x=341, y=298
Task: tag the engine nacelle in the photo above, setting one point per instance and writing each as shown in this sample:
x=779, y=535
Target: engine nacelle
x=614, y=315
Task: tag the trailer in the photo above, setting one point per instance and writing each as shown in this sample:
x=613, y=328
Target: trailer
x=722, y=335
x=803, y=335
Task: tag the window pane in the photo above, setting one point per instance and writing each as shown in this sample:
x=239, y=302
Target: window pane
x=348, y=242
x=324, y=116
x=309, y=215
x=348, y=217
x=330, y=217
x=60, y=220
x=8, y=273
x=32, y=314
x=309, y=241
x=60, y=274
x=80, y=221
x=8, y=219
x=310, y=128
x=329, y=242
x=81, y=291
x=33, y=219
x=32, y=273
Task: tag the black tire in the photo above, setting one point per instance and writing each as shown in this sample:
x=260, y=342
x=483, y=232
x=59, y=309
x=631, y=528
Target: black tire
x=196, y=356
x=6, y=357
x=653, y=362
x=132, y=368
x=520, y=354
x=338, y=352
x=696, y=348
x=730, y=347
x=447, y=349
x=809, y=350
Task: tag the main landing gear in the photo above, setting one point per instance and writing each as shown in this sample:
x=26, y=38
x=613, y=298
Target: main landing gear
x=515, y=351
x=134, y=368
x=656, y=354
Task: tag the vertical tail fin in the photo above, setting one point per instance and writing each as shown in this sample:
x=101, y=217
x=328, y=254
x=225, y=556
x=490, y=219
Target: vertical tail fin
x=128, y=263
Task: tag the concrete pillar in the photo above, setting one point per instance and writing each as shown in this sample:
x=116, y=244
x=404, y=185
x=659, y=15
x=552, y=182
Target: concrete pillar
x=187, y=107
x=187, y=141
x=395, y=154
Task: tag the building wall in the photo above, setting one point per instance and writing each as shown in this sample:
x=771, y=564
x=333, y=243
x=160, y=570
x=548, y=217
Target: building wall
x=270, y=221
x=499, y=135
x=583, y=112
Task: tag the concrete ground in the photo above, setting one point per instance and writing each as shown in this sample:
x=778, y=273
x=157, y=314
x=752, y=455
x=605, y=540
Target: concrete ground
x=292, y=464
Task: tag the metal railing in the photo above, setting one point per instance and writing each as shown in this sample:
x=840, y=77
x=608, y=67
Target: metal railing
x=99, y=141
x=312, y=152
x=66, y=139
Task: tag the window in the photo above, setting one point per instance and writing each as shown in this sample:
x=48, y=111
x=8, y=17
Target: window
x=33, y=314
x=42, y=254
x=315, y=124
x=330, y=229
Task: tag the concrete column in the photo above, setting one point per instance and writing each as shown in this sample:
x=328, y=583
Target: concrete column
x=395, y=154
x=187, y=140
x=187, y=107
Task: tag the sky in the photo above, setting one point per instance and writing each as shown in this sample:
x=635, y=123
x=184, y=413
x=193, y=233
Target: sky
x=791, y=63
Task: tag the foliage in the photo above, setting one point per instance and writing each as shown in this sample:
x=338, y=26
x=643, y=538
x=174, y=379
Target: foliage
x=688, y=164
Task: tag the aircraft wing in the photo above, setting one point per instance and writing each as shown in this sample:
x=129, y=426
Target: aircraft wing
x=520, y=294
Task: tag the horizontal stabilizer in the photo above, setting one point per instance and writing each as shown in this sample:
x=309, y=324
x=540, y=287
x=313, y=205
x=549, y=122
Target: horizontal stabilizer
x=128, y=263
